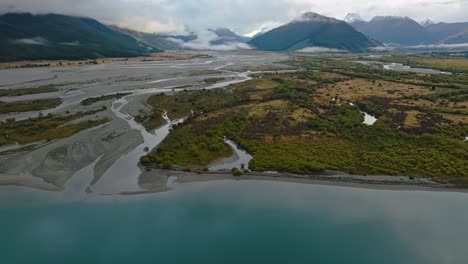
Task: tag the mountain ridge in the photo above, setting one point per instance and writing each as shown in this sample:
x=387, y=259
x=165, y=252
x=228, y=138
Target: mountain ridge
x=313, y=30
x=406, y=31
x=24, y=36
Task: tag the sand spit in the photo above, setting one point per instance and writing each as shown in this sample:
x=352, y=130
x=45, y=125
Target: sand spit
x=58, y=161
x=156, y=180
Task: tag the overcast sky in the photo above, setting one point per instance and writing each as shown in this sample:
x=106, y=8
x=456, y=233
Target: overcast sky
x=242, y=16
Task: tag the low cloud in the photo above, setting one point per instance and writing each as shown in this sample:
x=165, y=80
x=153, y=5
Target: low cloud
x=321, y=50
x=31, y=41
x=73, y=43
x=381, y=49
x=393, y=47
x=205, y=39
x=439, y=46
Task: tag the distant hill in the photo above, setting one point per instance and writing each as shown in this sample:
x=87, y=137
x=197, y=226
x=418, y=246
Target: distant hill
x=314, y=30
x=441, y=31
x=35, y=37
x=406, y=31
x=459, y=38
x=390, y=29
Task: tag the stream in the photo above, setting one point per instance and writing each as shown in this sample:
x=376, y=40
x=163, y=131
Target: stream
x=123, y=175
x=391, y=66
x=369, y=119
x=239, y=160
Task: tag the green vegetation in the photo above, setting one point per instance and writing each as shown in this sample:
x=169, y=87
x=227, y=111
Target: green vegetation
x=48, y=127
x=26, y=106
x=213, y=80
x=443, y=61
x=355, y=70
x=189, y=150
x=184, y=103
x=289, y=123
x=236, y=172
x=93, y=100
x=26, y=91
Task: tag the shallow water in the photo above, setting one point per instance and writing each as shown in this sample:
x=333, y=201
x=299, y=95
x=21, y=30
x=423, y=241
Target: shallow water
x=369, y=119
x=236, y=222
x=123, y=175
x=402, y=68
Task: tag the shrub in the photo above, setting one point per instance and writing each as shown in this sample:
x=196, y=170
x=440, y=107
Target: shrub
x=236, y=172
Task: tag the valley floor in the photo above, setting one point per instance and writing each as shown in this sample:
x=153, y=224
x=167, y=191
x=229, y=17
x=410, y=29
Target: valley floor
x=299, y=116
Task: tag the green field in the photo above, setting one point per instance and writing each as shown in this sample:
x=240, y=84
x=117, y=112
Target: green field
x=47, y=128
x=26, y=91
x=27, y=106
x=94, y=100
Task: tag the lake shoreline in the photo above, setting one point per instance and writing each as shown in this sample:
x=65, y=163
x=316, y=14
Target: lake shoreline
x=336, y=179
x=333, y=179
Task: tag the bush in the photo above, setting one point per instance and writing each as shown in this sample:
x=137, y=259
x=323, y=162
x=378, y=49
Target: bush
x=236, y=172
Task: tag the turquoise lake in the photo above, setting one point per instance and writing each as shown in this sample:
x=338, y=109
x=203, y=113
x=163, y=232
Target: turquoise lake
x=236, y=222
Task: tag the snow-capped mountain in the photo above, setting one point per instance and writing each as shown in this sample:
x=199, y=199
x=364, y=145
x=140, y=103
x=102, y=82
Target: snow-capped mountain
x=352, y=18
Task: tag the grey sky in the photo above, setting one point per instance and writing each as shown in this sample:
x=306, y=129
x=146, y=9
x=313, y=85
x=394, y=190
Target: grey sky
x=243, y=16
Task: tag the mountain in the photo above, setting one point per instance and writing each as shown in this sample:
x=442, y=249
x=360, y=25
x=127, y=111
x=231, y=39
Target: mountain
x=314, y=30
x=353, y=18
x=225, y=36
x=406, y=31
x=426, y=23
x=391, y=29
x=459, y=38
x=35, y=37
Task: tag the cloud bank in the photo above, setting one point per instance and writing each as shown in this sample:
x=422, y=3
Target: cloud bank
x=242, y=16
x=321, y=50
x=31, y=41
x=204, y=41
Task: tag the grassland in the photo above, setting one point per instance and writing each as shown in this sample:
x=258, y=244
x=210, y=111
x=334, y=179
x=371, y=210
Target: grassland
x=26, y=106
x=439, y=61
x=93, y=100
x=183, y=103
x=213, y=80
x=304, y=123
x=47, y=128
x=26, y=91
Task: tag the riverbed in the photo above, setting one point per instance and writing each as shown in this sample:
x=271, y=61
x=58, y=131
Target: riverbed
x=120, y=143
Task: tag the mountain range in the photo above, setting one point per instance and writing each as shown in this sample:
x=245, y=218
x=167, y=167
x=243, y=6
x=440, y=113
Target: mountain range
x=406, y=31
x=36, y=37
x=309, y=30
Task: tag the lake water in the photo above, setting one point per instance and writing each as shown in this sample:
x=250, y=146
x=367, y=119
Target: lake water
x=235, y=222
